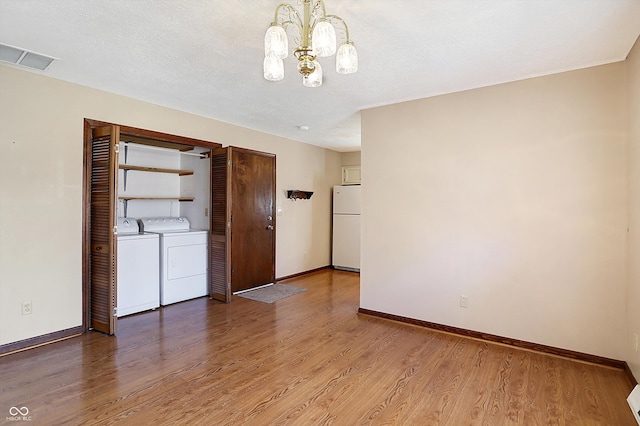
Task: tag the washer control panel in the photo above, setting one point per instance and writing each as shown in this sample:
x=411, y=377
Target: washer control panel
x=164, y=224
x=127, y=226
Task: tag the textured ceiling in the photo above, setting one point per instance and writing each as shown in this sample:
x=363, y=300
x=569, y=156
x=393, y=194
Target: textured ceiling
x=205, y=56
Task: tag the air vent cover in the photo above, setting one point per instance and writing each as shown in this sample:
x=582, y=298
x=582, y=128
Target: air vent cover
x=26, y=58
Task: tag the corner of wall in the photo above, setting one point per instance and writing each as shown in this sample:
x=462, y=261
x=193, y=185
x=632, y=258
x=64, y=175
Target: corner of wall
x=633, y=236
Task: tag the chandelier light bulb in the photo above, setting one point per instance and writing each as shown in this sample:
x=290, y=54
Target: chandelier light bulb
x=273, y=68
x=323, y=39
x=275, y=42
x=347, y=59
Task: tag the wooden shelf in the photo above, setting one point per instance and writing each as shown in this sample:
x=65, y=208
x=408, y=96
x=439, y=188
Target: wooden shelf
x=160, y=143
x=158, y=198
x=296, y=194
x=127, y=199
x=156, y=170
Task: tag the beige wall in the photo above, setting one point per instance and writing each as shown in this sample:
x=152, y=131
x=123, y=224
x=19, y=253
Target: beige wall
x=633, y=304
x=514, y=196
x=350, y=158
x=41, y=140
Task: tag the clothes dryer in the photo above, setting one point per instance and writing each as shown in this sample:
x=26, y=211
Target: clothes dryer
x=183, y=258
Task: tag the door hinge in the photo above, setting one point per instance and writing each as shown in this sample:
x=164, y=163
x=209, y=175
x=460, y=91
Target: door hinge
x=115, y=311
x=116, y=148
x=115, y=230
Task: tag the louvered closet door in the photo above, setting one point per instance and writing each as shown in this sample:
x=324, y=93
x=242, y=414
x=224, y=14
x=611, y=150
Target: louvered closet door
x=220, y=234
x=103, y=217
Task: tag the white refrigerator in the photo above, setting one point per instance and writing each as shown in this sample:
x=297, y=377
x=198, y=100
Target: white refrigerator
x=346, y=227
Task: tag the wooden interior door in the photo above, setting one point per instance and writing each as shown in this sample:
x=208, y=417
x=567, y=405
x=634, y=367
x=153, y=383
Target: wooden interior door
x=103, y=189
x=253, y=218
x=242, y=220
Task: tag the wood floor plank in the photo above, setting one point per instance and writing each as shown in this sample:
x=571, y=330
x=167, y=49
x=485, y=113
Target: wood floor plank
x=309, y=359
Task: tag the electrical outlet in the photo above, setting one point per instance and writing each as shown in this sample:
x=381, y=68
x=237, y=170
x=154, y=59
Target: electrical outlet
x=26, y=308
x=464, y=301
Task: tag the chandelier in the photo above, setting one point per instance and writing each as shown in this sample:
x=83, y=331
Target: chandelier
x=315, y=36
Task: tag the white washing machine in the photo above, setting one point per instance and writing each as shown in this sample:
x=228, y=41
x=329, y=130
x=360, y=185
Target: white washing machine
x=183, y=258
x=138, y=269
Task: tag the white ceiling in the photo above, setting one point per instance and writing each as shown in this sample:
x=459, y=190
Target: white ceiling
x=205, y=56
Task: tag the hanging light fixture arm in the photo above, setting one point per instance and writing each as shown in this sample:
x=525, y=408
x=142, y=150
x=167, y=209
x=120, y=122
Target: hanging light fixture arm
x=320, y=3
x=342, y=21
x=305, y=25
x=292, y=13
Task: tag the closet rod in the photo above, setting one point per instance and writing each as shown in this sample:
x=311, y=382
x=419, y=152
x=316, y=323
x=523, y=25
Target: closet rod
x=157, y=148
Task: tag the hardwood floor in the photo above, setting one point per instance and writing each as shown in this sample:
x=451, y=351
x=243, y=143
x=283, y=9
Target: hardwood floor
x=308, y=359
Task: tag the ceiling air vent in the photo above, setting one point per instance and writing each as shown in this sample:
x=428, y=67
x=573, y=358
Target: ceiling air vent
x=26, y=58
